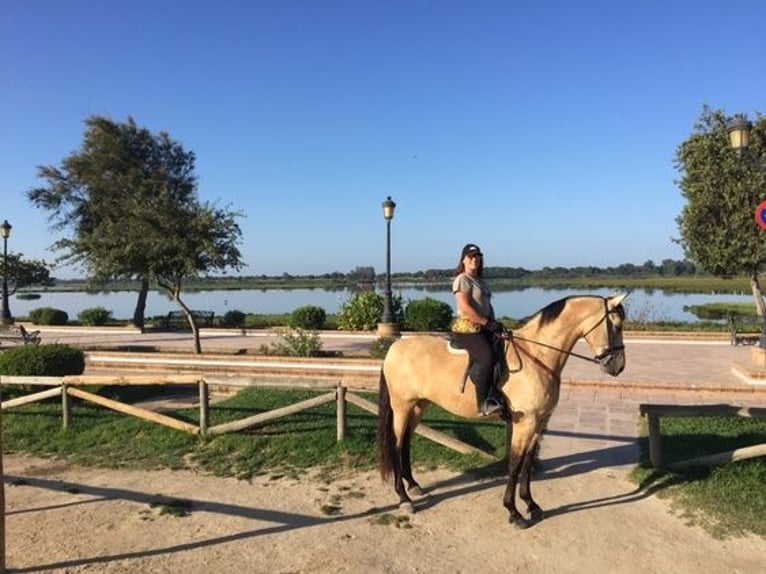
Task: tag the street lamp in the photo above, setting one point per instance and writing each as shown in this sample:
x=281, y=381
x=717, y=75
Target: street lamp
x=5, y=231
x=388, y=327
x=739, y=132
x=739, y=139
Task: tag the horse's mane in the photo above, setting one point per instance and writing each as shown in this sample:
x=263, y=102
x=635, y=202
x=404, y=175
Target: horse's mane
x=550, y=312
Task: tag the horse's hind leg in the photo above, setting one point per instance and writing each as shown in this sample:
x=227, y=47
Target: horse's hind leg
x=402, y=434
x=414, y=420
x=525, y=491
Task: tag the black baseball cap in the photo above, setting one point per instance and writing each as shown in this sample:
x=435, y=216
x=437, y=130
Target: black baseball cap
x=471, y=249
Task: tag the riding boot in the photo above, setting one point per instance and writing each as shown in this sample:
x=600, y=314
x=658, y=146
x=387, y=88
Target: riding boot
x=487, y=403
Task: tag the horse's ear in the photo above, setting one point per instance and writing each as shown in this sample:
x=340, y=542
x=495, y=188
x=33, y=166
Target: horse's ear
x=615, y=300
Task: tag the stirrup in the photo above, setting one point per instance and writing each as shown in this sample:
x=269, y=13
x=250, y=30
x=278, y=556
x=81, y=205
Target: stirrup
x=490, y=407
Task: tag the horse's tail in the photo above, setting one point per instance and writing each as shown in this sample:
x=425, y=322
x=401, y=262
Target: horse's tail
x=386, y=439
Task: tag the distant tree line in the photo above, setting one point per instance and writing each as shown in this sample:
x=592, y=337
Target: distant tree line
x=366, y=275
x=668, y=268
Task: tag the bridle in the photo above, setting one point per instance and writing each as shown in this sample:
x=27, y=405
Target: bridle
x=601, y=359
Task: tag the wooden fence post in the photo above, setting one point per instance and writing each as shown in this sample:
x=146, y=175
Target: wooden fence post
x=341, y=410
x=204, y=407
x=655, y=440
x=66, y=411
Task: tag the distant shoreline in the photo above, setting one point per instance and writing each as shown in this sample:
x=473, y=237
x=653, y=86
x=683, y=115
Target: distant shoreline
x=678, y=284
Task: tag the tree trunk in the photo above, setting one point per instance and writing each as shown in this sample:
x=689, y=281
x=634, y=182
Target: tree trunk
x=760, y=307
x=193, y=325
x=139, y=319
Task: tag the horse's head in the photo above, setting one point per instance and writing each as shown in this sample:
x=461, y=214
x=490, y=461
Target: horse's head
x=605, y=336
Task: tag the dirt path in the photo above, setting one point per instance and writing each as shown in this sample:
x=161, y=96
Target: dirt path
x=69, y=519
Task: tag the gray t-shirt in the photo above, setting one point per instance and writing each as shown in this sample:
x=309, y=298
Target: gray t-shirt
x=479, y=294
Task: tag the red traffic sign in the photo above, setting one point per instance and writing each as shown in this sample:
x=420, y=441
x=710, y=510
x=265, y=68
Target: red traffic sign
x=760, y=215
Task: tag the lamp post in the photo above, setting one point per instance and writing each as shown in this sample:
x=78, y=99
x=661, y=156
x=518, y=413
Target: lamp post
x=5, y=231
x=388, y=327
x=739, y=139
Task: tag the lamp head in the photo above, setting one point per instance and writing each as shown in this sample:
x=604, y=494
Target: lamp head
x=388, y=208
x=739, y=132
x=5, y=229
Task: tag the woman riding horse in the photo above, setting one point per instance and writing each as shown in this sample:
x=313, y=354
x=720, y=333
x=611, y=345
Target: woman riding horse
x=421, y=370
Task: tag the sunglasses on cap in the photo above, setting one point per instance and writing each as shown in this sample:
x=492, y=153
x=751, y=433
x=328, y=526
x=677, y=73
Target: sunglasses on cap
x=475, y=255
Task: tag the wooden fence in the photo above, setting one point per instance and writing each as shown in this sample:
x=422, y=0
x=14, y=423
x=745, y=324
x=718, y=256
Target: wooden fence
x=67, y=387
x=655, y=411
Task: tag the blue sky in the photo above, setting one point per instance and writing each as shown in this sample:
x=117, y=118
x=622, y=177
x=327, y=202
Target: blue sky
x=544, y=131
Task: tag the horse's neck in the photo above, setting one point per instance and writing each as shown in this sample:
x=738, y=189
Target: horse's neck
x=552, y=342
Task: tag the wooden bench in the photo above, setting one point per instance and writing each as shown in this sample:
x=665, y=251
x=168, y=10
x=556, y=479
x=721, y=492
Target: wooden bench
x=655, y=411
x=738, y=338
x=177, y=319
x=17, y=334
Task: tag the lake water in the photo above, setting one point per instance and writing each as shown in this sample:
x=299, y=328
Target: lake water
x=649, y=305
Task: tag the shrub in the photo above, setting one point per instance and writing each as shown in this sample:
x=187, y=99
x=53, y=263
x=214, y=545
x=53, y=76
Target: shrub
x=234, y=318
x=308, y=317
x=380, y=347
x=54, y=360
x=299, y=343
x=428, y=315
x=48, y=316
x=261, y=321
x=94, y=317
x=364, y=310
x=27, y=296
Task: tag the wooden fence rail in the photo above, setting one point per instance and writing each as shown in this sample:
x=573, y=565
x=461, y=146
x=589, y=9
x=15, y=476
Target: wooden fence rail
x=655, y=411
x=67, y=387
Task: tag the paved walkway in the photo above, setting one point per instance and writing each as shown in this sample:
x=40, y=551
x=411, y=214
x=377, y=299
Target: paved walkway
x=597, y=420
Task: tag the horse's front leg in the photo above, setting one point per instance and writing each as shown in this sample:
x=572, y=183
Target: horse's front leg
x=515, y=460
x=525, y=491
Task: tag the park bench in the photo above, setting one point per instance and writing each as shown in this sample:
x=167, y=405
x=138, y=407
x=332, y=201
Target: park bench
x=17, y=334
x=655, y=411
x=177, y=319
x=739, y=338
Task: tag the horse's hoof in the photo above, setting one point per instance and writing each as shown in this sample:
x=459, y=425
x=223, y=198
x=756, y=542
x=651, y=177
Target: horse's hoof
x=536, y=514
x=519, y=522
x=416, y=491
x=407, y=507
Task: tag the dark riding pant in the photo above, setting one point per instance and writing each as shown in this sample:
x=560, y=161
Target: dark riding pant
x=482, y=370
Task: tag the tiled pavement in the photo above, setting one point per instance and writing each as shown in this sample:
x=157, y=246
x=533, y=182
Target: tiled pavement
x=598, y=417
x=597, y=420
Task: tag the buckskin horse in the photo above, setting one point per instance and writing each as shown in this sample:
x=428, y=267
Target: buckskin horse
x=421, y=370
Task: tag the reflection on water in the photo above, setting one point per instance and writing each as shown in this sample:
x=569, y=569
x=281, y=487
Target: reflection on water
x=647, y=305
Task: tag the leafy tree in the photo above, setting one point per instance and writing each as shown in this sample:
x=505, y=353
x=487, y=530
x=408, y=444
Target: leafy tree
x=23, y=273
x=362, y=274
x=204, y=239
x=128, y=200
x=722, y=188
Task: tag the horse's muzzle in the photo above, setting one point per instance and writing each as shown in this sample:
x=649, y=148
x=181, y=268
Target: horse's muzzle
x=612, y=362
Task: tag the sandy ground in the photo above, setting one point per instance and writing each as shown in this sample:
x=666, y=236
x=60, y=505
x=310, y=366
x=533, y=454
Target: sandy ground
x=61, y=518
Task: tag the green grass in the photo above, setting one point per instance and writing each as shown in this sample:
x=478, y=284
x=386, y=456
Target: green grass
x=727, y=500
x=173, y=507
x=285, y=447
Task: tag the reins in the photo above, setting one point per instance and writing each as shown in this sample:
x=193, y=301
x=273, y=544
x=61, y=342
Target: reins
x=513, y=338
x=537, y=361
